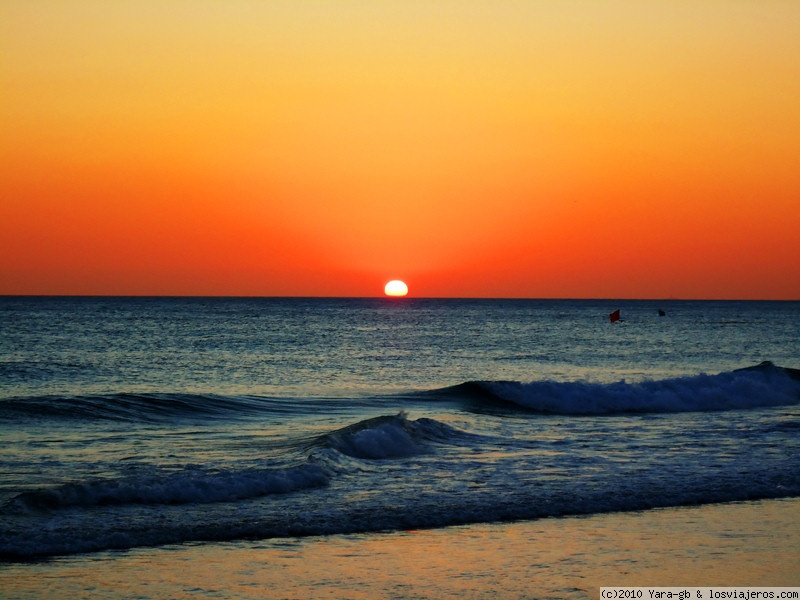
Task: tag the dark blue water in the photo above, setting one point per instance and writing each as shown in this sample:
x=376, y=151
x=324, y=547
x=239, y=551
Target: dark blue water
x=133, y=422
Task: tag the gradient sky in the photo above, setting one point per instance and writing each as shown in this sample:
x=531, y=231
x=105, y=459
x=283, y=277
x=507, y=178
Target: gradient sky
x=620, y=149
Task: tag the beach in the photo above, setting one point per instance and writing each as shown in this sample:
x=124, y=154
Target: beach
x=733, y=544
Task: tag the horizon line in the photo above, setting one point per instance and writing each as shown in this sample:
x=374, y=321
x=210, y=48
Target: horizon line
x=399, y=298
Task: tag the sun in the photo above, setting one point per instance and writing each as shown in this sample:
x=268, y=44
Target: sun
x=395, y=288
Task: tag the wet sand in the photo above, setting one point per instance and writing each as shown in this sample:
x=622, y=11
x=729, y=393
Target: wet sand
x=753, y=543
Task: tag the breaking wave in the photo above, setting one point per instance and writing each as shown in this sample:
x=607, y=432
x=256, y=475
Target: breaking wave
x=760, y=386
x=755, y=387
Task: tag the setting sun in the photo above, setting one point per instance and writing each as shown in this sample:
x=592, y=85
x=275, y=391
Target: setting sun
x=396, y=288
x=481, y=149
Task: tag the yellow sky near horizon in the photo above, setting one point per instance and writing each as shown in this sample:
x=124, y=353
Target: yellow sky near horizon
x=531, y=149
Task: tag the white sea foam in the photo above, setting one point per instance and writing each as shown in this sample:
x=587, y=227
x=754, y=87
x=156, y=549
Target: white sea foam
x=726, y=391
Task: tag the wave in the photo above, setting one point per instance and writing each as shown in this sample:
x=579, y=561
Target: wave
x=392, y=472
x=187, y=487
x=759, y=386
x=762, y=386
x=390, y=437
x=361, y=510
x=134, y=407
x=378, y=438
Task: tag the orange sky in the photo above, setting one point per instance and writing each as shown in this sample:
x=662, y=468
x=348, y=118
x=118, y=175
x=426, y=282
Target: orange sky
x=474, y=149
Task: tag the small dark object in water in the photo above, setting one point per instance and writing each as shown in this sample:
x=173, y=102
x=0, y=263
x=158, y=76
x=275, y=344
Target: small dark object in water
x=661, y=313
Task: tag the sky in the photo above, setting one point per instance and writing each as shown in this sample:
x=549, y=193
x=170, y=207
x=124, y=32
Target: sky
x=530, y=149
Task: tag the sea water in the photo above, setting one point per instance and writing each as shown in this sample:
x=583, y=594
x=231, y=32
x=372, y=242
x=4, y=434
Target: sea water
x=139, y=422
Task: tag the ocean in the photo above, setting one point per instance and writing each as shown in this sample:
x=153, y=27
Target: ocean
x=135, y=424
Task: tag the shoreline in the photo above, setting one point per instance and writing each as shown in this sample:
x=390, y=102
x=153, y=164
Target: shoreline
x=755, y=543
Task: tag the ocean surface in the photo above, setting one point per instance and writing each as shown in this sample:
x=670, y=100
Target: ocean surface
x=141, y=422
